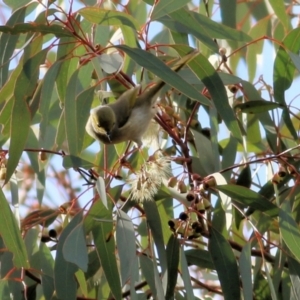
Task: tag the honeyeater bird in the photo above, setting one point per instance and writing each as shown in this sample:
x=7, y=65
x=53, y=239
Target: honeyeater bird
x=129, y=116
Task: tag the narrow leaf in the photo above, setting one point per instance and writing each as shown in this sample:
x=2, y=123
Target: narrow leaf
x=226, y=266
x=125, y=237
x=43, y=29
x=74, y=248
x=64, y=271
x=185, y=274
x=280, y=12
x=165, y=7
x=245, y=270
x=284, y=73
x=200, y=258
x=8, y=44
x=105, y=246
x=257, y=106
x=289, y=229
x=108, y=17
x=248, y=197
x=11, y=234
x=100, y=186
x=158, y=68
x=208, y=75
x=173, y=262
x=153, y=219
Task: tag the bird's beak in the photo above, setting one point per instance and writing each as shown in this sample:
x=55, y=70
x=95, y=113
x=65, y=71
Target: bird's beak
x=108, y=134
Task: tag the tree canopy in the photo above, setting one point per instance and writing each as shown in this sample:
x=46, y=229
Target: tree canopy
x=207, y=207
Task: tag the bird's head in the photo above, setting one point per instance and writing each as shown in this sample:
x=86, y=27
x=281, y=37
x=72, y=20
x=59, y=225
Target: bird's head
x=103, y=120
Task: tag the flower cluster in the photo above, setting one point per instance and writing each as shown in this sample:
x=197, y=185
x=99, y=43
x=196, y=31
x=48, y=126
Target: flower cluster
x=150, y=177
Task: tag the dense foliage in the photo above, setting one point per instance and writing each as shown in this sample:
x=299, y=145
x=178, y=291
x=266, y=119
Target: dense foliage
x=207, y=207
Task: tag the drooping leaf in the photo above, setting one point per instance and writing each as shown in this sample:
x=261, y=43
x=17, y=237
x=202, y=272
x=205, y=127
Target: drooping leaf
x=172, y=251
x=21, y=118
x=284, y=73
x=208, y=75
x=64, y=271
x=200, y=258
x=8, y=44
x=165, y=7
x=154, y=222
x=125, y=237
x=280, y=12
x=108, y=17
x=257, y=106
x=289, y=229
x=186, y=275
x=74, y=248
x=54, y=29
x=102, y=229
x=225, y=264
x=245, y=270
x=248, y=197
x=157, y=67
x=72, y=161
x=11, y=234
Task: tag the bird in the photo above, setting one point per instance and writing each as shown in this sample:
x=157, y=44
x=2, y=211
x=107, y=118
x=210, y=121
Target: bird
x=128, y=118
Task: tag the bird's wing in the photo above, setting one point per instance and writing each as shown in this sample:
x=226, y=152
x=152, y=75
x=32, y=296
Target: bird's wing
x=123, y=105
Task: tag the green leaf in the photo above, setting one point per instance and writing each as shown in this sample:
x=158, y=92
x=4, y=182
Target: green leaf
x=245, y=270
x=200, y=258
x=83, y=106
x=226, y=202
x=202, y=27
x=205, y=153
x=47, y=267
x=105, y=246
x=71, y=113
x=172, y=262
x=82, y=283
x=147, y=268
x=125, y=237
x=283, y=73
x=64, y=271
x=14, y=4
x=21, y=117
x=208, y=75
x=295, y=58
x=165, y=7
x=72, y=161
x=108, y=17
x=261, y=288
x=294, y=268
x=228, y=13
x=11, y=234
x=250, y=198
x=280, y=12
x=289, y=229
x=154, y=222
x=158, y=68
x=74, y=248
x=4, y=290
x=257, y=106
x=101, y=190
x=43, y=29
x=185, y=274
x=45, y=102
x=93, y=264
x=225, y=264
x=262, y=27
x=8, y=44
